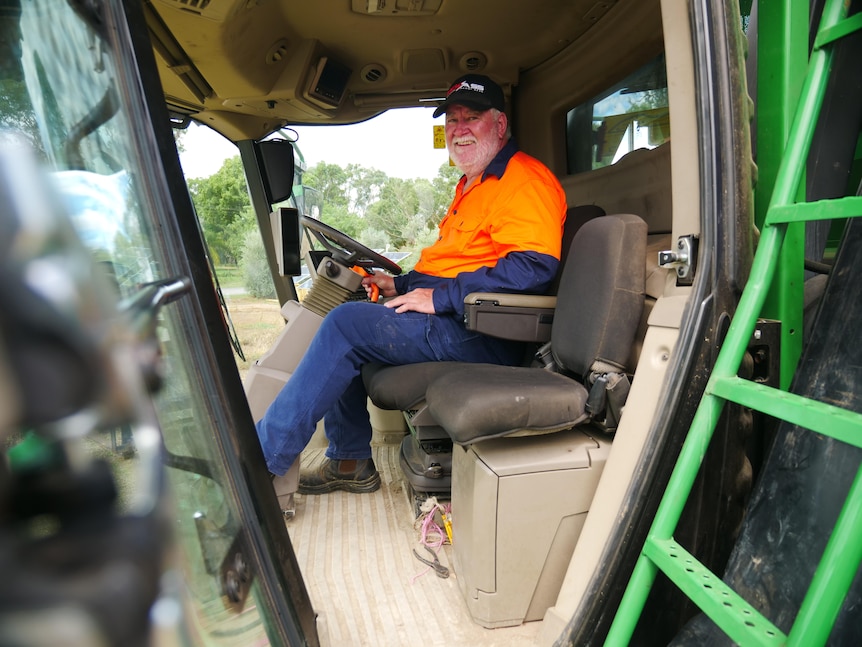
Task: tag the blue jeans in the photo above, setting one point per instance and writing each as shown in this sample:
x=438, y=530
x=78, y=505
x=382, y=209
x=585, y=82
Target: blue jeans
x=327, y=382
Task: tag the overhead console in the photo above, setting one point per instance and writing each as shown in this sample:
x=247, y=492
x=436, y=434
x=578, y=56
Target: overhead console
x=312, y=85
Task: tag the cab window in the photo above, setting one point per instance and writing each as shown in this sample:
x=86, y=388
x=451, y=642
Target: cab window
x=629, y=115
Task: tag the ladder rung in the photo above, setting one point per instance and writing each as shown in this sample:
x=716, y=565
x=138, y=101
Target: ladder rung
x=849, y=207
x=840, y=30
x=819, y=417
x=736, y=617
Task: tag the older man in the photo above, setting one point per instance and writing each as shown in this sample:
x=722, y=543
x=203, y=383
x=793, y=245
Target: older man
x=502, y=233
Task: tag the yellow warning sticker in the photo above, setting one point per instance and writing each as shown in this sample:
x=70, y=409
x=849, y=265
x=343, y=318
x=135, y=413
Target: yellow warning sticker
x=439, y=137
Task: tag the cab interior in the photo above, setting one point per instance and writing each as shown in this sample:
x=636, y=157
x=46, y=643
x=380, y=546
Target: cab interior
x=594, y=90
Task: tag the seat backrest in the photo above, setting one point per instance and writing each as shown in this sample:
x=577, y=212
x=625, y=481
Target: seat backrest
x=575, y=218
x=601, y=294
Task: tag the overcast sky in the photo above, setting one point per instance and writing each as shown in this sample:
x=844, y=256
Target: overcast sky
x=400, y=143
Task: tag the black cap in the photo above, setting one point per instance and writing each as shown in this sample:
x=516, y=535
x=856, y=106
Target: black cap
x=474, y=91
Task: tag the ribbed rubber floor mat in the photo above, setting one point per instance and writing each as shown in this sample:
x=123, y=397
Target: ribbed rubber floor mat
x=356, y=554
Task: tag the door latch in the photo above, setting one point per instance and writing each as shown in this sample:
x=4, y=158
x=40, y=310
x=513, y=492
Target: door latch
x=683, y=259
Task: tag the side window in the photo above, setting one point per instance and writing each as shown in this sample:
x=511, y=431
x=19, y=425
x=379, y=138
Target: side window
x=629, y=115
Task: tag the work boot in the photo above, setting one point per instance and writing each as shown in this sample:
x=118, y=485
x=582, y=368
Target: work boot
x=348, y=475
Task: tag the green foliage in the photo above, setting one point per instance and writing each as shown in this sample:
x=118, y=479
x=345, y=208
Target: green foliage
x=234, y=233
x=340, y=218
x=398, y=203
x=374, y=239
x=180, y=139
x=17, y=114
x=330, y=180
x=380, y=212
x=224, y=208
x=230, y=276
x=362, y=201
x=443, y=191
x=256, y=277
x=423, y=239
x=363, y=187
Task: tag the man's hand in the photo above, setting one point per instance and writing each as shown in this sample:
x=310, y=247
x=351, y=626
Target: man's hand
x=384, y=282
x=418, y=300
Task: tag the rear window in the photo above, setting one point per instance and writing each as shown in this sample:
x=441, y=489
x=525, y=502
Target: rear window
x=629, y=115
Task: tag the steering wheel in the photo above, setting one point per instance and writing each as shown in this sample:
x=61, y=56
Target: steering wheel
x=347, y=250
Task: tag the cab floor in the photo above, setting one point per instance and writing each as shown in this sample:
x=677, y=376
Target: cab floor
x=366, y=585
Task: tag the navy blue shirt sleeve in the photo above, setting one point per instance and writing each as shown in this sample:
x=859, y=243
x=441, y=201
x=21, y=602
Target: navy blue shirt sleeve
x=518, y=272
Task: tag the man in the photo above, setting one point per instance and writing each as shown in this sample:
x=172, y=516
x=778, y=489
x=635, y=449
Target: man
x=502, y=233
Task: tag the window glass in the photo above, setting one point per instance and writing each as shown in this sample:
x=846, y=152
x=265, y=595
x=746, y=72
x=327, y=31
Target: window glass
x=630, y=115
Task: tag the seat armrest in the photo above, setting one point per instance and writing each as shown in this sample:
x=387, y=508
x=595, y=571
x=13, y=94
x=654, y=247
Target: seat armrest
x=506, y=299
x=519, y=317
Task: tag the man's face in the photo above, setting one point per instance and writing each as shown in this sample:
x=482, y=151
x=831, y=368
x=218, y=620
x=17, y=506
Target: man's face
x=474, y=137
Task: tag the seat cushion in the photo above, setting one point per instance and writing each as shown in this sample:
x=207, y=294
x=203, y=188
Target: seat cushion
x=478, y=401
x=401, y=388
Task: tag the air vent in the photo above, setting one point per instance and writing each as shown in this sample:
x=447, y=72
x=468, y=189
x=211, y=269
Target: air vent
x=373, y=73
x=396, y=7
x=194, y=5
x=473, y=62
x=277, y=53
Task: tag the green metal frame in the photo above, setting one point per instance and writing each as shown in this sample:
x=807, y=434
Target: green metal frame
x=777, y=263
x=782, y=54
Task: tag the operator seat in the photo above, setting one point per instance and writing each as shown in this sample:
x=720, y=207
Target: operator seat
x=405, y=389
x=599, y=305
x=426, y=452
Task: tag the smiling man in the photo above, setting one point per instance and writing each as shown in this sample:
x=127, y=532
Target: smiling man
x=502, y=233
x=503, y=229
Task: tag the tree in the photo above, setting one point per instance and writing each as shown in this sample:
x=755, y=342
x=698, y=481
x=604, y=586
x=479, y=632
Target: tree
x=180, y=138
x=331, y=181
x=358, y=198
x=444, y=189
x=393, y=213
x=363, y=187
x=339, y=217
x=18, y=115
x=364, y=203
x=428, y=202
x=398, y=203
x=221, y=201
x=256, y=277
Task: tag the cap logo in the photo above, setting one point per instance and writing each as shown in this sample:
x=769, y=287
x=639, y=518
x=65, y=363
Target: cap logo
x=470, y=87
x=475, y=91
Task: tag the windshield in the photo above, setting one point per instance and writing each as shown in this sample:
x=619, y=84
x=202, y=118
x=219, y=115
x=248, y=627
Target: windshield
x=63, y=96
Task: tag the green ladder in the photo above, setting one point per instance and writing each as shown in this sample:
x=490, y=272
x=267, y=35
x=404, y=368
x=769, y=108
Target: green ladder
x=841, y=558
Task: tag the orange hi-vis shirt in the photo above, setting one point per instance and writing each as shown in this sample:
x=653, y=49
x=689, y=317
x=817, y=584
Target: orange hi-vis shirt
x=520, y=207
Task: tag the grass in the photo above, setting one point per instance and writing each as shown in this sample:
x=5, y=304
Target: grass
x=258, y=323
x=229, y=276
